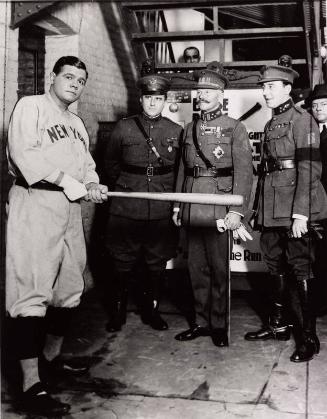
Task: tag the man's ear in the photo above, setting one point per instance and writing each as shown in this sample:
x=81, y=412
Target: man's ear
x=52, y=77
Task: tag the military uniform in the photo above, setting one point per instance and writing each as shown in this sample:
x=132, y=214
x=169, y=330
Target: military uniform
x=224, y=141
x=131, y=166
x=290, y=136
x=141, y=156
x=290, y=189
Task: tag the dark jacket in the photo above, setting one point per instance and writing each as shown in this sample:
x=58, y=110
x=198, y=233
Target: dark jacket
x=323, y=152
x=292, y=134
x=225, y=143
x=128, y=146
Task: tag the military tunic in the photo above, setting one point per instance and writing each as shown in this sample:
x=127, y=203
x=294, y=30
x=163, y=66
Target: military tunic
x=224, y=142
x=131, y=166
x=293, y=135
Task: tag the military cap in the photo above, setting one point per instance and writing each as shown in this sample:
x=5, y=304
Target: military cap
x=282, y=71
x=153, y=85
x=300, y=97
x=211, y=77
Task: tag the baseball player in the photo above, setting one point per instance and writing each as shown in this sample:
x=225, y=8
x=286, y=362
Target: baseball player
x=49, y=158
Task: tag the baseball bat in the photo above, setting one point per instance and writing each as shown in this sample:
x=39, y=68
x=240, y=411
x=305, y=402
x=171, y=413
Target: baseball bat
x=191, y=198
x=250, y=112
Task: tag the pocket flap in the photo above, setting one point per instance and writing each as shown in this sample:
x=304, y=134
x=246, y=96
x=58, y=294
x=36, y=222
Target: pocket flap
x=284, y=178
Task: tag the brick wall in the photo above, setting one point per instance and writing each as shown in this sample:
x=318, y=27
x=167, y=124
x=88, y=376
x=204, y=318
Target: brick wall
x=8, y=64
x=8, y=97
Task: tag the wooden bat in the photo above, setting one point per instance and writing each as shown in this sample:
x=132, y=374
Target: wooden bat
x=250, y=112
x=191, y=198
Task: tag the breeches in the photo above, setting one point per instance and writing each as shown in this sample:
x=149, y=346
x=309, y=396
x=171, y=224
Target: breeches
x=46, y=254
x=281, y=253
x=208, y=262
x=127, y=240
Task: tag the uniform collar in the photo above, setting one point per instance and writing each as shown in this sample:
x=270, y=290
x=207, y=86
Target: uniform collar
x=283, y=107
x=148, y=119
x=209, y=116
x=55, y=104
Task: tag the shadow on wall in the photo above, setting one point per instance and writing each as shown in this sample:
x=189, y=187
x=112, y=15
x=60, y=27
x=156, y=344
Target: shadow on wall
x=99, y=262
x=123, y=52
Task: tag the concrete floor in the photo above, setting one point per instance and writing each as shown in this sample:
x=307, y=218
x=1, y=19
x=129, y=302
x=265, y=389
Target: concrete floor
x=140, y=373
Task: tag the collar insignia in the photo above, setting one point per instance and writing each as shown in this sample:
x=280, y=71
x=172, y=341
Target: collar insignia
x=283, y=107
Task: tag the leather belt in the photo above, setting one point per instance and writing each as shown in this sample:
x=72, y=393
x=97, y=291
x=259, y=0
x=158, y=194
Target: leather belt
x=38, y=185
x=274, y=165
x=198, y=171
x=148, y=171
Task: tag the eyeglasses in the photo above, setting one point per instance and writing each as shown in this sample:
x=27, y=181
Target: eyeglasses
x=319, y=105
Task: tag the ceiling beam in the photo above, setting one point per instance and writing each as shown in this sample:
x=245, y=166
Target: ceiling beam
x=256, y=33
x=173, y=4
x=25, y=10
x=195, y=66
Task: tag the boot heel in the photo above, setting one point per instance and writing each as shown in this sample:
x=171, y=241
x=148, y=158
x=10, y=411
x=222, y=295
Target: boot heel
x=317, y=344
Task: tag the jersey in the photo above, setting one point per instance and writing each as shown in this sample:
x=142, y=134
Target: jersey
x=42, y=138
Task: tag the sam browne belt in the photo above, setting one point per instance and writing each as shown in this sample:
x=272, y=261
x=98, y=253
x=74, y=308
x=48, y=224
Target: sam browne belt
x=278, y=164
x=148, y=171
x=198, y=171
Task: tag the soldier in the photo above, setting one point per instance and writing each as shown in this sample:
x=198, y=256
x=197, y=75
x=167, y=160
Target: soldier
x=216, y=159
x=290, y=198
x=317, y=101
x=142, y=157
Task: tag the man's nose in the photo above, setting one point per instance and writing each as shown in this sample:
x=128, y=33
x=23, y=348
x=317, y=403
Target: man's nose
x=74, y=84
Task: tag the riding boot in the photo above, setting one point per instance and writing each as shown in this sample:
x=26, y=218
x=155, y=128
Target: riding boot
x=118, y=305
x=151, y=297
x=277, y=327
x=308, y=344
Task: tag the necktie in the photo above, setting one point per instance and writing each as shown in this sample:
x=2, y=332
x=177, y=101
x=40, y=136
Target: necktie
x=324, y=129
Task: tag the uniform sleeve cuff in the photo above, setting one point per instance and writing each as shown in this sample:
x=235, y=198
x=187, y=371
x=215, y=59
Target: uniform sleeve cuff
x=300, y=217
x=238, y=213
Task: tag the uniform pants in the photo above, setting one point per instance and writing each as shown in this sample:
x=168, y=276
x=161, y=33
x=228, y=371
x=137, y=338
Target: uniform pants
x=46, y=255
x=128, y=240
x=209, y=270
x=281, y=253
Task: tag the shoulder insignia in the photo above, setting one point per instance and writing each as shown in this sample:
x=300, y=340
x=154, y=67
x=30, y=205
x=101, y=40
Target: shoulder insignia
x=169, y=120
x=129, y=116
x=299, y=109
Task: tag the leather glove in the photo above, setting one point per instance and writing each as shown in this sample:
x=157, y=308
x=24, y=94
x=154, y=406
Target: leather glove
x=242, y=233
x=221, y=226
x=73, y=189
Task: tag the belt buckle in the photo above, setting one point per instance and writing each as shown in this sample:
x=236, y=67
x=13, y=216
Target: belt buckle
x=149, y=171
x=213, y=171
x=196, y=171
